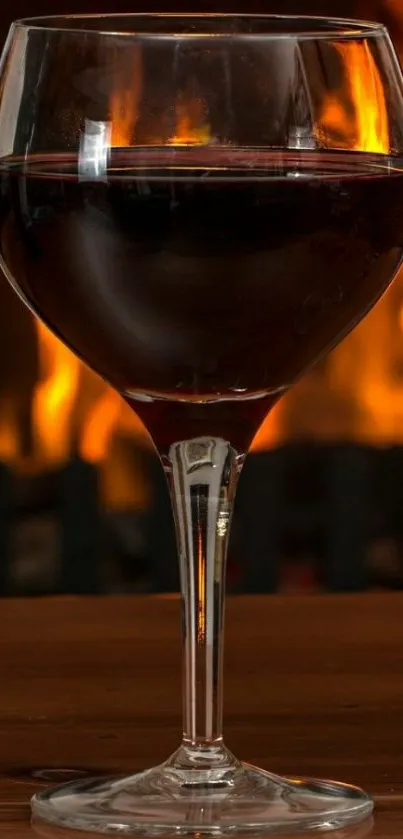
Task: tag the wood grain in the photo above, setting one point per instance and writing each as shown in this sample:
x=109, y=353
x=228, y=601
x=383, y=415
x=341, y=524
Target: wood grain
x=313, y=686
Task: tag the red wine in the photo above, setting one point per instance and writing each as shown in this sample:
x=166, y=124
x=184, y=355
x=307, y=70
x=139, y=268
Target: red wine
x=202, y=283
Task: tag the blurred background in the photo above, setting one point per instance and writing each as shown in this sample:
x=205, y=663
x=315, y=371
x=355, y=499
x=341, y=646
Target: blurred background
x=83, y=502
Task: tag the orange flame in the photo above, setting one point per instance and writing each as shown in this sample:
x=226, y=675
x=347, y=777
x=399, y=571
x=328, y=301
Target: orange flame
x=54, y=398
x=99, y=427
x=192, y=127
x=356, y=117
x=60, y=414
x=123, y=118
x=125, y=100
x=107, y=414
x=9, y=432
x=108, y=423
x=362, y=372
x=360, y=368
x=107, y=427
x=271, y=432
x=124, y=479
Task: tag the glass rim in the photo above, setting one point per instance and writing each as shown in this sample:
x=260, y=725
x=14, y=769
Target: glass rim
x=199, y=25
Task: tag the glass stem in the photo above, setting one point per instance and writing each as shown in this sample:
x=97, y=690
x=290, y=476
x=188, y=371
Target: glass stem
x=203, y=476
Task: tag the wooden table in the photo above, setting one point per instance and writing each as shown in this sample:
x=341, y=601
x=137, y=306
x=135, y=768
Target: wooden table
x=313, y=686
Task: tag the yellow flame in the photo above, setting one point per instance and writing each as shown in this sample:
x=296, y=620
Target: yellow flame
x=54, y=398
x=356, y=117
x=57, y=411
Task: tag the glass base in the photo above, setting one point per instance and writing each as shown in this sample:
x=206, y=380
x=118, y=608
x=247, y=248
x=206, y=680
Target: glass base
x=234, y=799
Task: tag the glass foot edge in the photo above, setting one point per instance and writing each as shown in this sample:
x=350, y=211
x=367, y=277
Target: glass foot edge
x=151, y=804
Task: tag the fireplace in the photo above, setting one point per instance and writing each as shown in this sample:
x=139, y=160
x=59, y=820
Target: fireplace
x=69, y=447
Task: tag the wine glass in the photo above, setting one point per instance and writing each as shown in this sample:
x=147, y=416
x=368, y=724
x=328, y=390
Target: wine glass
x=200, y=206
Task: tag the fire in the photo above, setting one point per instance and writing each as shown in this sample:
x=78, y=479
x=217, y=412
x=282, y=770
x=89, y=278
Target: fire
x=356, y=116
x=9, y=436
x=192, y=127
x=270, y=433
x=358, y=374
x=123, y=118
x=361, y=368
x=54, y=398
x=125, y=98
x=100, y=426
x=64, y=419
x=106, y=431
